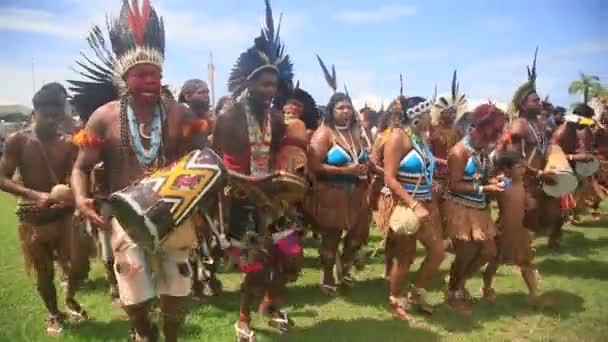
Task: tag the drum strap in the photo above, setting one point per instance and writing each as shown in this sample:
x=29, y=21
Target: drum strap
x=45, y=160
x=532, y=155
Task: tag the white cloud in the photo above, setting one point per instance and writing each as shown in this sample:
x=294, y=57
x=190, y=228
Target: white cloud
x=499, y=78
x=386, y=12
x=19, y=88
x=29, y=20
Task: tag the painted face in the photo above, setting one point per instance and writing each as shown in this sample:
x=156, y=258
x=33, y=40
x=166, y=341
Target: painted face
x=144, y=82
x=448, y=116
x=263, y=87
x=343, y=113
x=532, y=104
x=198, y=96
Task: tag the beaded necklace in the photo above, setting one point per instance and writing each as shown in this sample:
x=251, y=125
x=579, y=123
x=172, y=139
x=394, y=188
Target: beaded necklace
x=259, y=141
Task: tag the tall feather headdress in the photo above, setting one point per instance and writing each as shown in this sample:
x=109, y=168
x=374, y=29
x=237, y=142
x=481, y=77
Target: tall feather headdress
x=525, y=89
x=330, y=78
x=453, y=101
x=137, y=36
x=266, y=53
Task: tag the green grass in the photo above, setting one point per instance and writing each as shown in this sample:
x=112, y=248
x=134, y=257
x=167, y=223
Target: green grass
x=578, y=277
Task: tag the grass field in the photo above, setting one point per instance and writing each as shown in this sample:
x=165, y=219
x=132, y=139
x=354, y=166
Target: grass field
x=577, y=276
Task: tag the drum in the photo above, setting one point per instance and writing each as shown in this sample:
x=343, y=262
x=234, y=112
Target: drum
x=565, y=180
x=273, y=194
x=587, y=169
x=157, y=211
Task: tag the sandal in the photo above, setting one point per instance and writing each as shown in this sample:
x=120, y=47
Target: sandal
x=596, y=216
x=329, y=290
x=397, y=308
x=243, y=335
x=348, y=280
x=280, y=321
x=76, y=311
x=418, y=298
x=54, y=325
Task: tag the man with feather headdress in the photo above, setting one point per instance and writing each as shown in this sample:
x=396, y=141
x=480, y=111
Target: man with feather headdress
x=248, y=136
x=527, y=135
x=133, y=129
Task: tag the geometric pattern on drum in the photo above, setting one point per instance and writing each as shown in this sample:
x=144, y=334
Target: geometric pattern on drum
x=182, y=185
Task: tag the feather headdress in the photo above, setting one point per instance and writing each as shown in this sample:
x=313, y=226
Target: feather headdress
x=525, y=89
x=455, y=101
x=137, y=36
x=266, y=53
x=330, y=78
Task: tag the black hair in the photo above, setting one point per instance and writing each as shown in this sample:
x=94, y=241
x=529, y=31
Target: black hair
x=584, y=111
x=507, y=159
x=50, y=98
x=559, y=110
x=328, y=115
x=221, y=103
x=384, y=121
x=407, y=103
x=188, y=87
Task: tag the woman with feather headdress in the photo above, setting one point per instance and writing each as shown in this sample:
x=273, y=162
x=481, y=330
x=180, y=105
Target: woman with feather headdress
x=447, y=110
x=133, y=129
x=339, y=203
x=407, y=164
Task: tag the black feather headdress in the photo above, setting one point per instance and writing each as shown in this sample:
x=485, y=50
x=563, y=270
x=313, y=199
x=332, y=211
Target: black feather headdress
x=137, y=36
x=527, y=88
x=266, y=53
x=331, y=79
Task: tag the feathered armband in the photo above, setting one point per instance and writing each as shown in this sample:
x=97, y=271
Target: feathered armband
x=83, y=139
x=196, y=126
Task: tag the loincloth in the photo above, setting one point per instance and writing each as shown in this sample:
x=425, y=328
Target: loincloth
x=36, y=215
x=514, y=244
x=50, y=240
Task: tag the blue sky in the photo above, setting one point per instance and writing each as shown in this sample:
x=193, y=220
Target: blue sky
x=370, y=42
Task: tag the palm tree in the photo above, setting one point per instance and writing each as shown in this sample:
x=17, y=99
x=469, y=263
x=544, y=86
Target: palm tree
x=587, y=85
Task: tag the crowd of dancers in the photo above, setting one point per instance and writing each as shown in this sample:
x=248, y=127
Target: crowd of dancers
x=168, y=188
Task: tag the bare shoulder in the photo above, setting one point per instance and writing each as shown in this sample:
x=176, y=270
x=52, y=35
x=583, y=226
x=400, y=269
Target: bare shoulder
x=322, y=133
x=458, y=151
x=104, y=115
x=519, y=125
x=179, y=111
x=15, y=140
